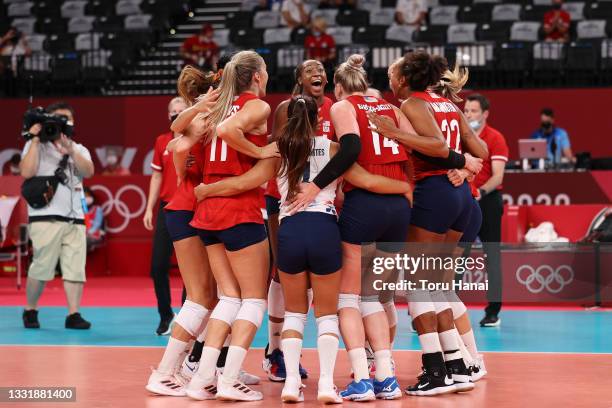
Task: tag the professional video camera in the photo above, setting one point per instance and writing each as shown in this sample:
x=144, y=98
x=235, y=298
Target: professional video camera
x=52, y=125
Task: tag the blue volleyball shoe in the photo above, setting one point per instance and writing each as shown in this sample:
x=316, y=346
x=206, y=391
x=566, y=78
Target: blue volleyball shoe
x=359, y=391
x=388, y=389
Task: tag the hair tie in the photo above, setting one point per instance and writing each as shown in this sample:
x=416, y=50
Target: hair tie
x=218, y=75
x=301, y=100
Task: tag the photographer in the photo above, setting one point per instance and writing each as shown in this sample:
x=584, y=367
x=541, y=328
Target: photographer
x=57, y=228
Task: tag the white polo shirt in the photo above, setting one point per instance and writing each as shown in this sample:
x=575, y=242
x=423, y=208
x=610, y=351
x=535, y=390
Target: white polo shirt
x=411, y=9
x=67, y=199
x=292, y=7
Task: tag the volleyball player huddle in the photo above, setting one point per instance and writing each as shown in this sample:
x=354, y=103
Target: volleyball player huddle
x=398, y=174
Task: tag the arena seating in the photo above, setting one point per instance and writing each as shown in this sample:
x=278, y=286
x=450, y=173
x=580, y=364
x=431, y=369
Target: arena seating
x=137, y=41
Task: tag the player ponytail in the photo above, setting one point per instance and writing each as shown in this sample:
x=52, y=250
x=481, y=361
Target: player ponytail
x=295, y=140
x=237, y=78
x=192, y=83
x=351, y=75
x=452, y=83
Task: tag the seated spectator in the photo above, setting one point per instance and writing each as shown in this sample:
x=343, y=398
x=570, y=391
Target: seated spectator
x=11, y=168
x=556, y=23
x=200, y=50
x=411, y=12
x=319, y=45
x=295, y=13
x=113, y=165
x=557, y=140
x=94, y=221
x=262, y=5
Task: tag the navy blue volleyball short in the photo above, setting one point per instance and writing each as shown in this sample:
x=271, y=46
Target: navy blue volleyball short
x=473, y=226
x=235, y=238
x=368, y=217
x=309, y=241
x=439, y=206
x=177, y=222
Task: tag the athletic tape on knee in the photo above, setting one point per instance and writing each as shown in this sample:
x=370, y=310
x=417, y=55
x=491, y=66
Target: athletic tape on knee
x=455, y=303
x=190, y=317
x=439, y=301
x=226, y=310
x=276, y=300
x=419, y=303
x=252, y=310
x=369, y=308
x=391, y=313
x=328, y=325
x=294, y=321
x=348, y=300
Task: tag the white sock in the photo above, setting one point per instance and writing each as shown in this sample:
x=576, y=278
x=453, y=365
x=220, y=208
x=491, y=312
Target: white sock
x=292, y=347
x=430, y=343
x=202, y=336
x=382, y=359
x=467, y=356
x=359, y=363
x=327, y=347
x=208, y=363
x=171, y=357
x=274, y=335
x=233, y=362
x=450, y=344
x=470, y=342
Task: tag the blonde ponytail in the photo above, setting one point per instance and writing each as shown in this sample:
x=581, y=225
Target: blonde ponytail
x=452, y=83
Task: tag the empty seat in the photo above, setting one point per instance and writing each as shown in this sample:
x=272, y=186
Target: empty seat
x=81, y=24
x=37, y=62
x=548, y=56
x=222, y=37
x=383, y=17
x=460, y=3
x=373, y=35
x=430, y=34
x=59, y=43
x=582, y=56
x=138, y=22
x=534, y=12
x=606, y=54
x=100, y=8
x=46, y=9
x=368, y=5
x=506, y=12
x=279, y=35
x=476, y=55
x=600, y=10
x=328, y=14
x=382, y=57
x=21, y=9
x=496, y=32
x=476, y=13
x=238, y=19
x=528, y=31
x=249, y=5
x=388, y=3
x=487, y=1
x=298, y=35
x=400, y=33
x=461, y=33
x=348, y=50
x=109, y=24
x=591, y=29
x=36, y=42
x=443, y=15
x=52, y=26
x=512, y=57
x=99, y=58
x=247, y=37
x=25, y=25
x=575, y=10
x=66, y=69
x=342, y=35
x=127, y=7
x=289, y=57
x=73, y=9
x=88, y=41
x=266, y=19
x=353, y=18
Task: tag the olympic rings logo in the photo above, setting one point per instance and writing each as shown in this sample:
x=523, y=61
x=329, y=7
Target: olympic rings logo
x=545, y=277
x=115, y=203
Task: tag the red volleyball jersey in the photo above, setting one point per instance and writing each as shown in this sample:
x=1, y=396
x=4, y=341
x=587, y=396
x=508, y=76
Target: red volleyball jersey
x=448, y=119
x=379, y=155
x=162, y=162
x=221, y=161
x=325, y=128
x=184, y=197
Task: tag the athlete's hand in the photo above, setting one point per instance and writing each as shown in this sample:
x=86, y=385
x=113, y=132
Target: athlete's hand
x=473, y=164
x=409, y=197
x=267, y=151
x=201, y=191
x=204, y=103
x=456, y=177
x=383, y=125
x=308, y=192
x=147, y=220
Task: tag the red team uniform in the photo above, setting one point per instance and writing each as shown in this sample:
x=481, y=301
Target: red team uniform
x=221, y=161
x=162, y=162
x=325, y=128
x=184, y=197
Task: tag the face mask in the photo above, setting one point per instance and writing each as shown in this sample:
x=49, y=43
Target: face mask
x=173, y=117
x=546, y=125
x=316, y=33
x=475, y=125
x=15, y=170
x=557, y=6
x=89, y=201
x=112, y=160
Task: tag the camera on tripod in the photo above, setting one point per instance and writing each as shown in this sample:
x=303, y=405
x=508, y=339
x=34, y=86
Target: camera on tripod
x=52, y=125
